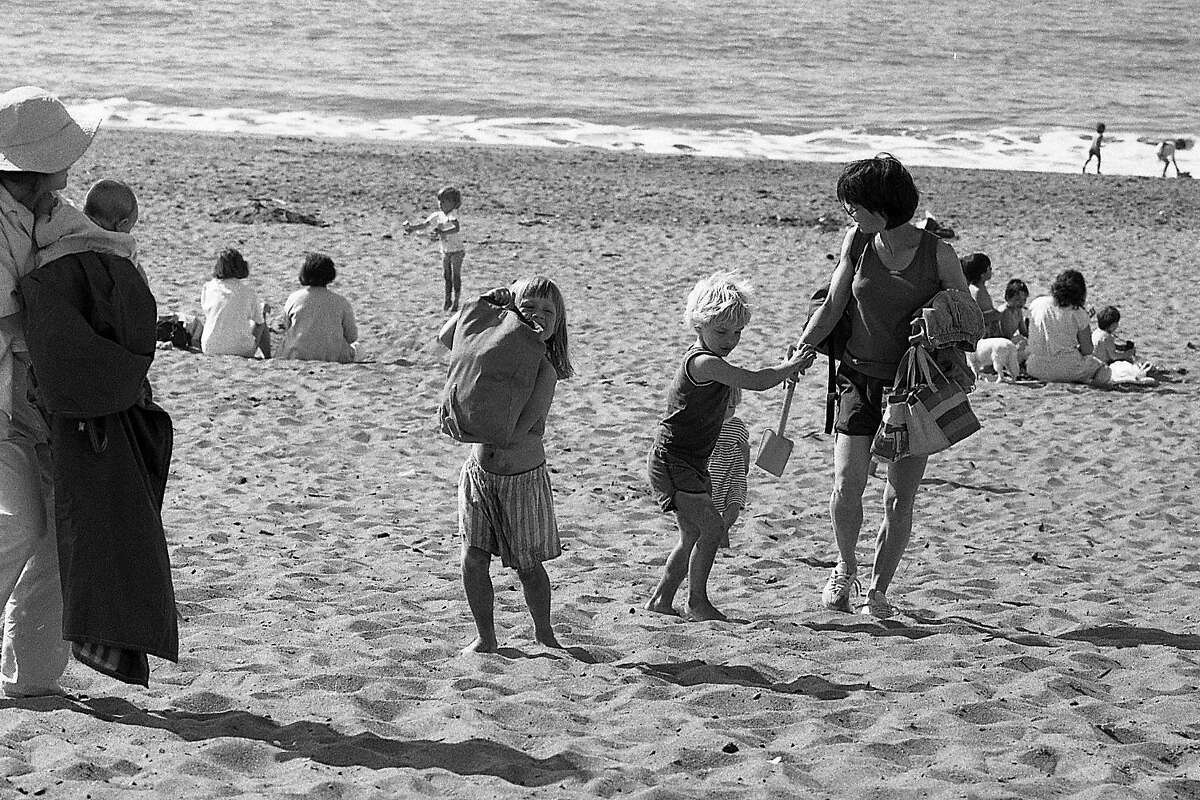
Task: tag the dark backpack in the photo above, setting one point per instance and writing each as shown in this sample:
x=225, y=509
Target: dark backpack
x=834, y=345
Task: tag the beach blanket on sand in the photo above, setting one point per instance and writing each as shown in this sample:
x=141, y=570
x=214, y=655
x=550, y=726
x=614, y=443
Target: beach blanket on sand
x=91, y=334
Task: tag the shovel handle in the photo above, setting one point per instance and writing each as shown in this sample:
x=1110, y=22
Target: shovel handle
x=787, y=406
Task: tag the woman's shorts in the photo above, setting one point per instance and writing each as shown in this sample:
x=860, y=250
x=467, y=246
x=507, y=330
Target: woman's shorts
x=860, y=401
x=670, y=474
x=511, y=516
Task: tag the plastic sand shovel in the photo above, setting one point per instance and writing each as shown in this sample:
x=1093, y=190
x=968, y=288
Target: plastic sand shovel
x=775, y=448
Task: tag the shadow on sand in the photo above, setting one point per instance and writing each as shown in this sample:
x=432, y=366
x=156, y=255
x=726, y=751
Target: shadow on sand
x=322, y=743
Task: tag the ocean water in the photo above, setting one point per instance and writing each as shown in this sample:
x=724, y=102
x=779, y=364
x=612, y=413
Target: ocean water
x=1015, y=85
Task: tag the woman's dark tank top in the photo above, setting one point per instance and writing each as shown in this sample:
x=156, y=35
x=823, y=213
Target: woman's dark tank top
x=695, y=412
x=884, y=305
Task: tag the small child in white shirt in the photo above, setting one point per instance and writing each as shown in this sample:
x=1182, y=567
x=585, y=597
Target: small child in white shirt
x=444, y=226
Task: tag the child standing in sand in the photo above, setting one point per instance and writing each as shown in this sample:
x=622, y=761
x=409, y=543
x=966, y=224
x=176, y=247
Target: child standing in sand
x=728, y=466
x=505, y=505
x=1094, y=148
x=444, y=225
x=718, y=310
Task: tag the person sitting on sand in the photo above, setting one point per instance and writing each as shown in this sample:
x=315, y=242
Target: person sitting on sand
x=1014, y=316
x=1106, y=345
x=1060, y=335
x=977, y=268
x=718, y=309
x=505, y=503
x=319, y=323
x=234, y=321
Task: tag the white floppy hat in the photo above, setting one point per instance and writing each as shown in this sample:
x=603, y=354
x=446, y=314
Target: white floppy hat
x=38, y=134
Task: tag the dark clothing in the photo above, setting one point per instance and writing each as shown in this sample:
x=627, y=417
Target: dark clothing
x=860, y=400
x=884, y=305
x=91, y=335
x=670, y=474
x=695, y=412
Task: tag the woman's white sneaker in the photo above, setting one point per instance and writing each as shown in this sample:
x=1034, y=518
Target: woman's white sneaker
x=836, y=594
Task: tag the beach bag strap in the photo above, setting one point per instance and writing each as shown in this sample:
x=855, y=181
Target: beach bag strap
x=834, y=343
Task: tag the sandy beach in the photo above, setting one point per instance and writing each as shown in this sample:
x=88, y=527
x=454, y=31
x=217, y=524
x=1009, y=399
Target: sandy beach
x=1049, y=644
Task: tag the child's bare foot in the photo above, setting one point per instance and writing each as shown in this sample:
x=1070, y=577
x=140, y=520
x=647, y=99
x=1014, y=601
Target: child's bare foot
x=704, y=613
x=660, y=606
x=481, y=646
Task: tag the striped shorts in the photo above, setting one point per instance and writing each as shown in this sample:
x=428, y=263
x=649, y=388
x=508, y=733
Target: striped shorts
x=511, y=516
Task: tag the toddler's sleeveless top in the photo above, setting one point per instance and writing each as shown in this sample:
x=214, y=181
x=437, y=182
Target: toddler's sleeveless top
x=695, y=412
x=884, y=305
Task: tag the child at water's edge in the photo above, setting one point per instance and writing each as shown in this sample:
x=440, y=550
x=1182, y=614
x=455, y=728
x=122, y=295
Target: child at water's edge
x=1094, y=148
x=718, y=309
x=505, y=504
x=728, y=466
x=443, y=225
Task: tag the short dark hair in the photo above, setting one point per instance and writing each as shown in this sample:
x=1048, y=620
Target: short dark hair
x=975, y=266
x=451, y=194
x=1069, y=289
x=882, y=185
x=317, y=270
x=230, y=264
x=1015, y=287
x=1108, y=317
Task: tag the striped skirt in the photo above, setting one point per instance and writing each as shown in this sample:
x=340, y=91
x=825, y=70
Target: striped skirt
x=511, y=516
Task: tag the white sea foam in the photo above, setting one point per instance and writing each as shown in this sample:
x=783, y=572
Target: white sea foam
x=1054, y=150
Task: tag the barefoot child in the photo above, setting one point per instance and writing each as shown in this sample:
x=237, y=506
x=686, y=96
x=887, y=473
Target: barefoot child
x=1094, y=149
x=443, y=225
x=718, y=310
x=505, y=506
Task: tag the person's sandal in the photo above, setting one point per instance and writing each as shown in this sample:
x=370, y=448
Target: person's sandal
x=876, y=604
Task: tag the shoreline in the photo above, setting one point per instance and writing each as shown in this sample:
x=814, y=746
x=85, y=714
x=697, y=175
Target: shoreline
x=310, y=514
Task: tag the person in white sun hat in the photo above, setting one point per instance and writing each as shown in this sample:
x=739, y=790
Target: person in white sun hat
x=39, y=141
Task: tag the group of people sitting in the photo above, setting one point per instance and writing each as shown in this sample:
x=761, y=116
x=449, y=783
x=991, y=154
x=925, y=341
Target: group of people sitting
x=318, y=323
x=1051, y=337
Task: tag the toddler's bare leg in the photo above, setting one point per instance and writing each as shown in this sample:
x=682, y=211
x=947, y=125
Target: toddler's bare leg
x=477, y=581
x=536, y=585
x=456, y=261
x=675, y=570
x=447, y=280
x=696, y=513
